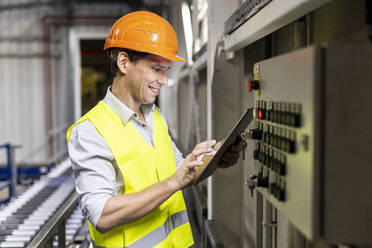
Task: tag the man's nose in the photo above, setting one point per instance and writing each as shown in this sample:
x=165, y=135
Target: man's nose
x=163, y=79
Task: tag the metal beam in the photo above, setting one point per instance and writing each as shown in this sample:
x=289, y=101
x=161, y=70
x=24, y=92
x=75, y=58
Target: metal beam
x=272, y=17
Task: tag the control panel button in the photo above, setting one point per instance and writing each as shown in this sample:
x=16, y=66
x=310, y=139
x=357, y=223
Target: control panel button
x=256, y=154
x=297, y=120
x=270, y=159
x=270, y=111
x=263, y=158
x=261, y=112
x=282, y=166
x=292, y=146
x=263, y=182
x=256, y=133
x=253, y=85
x=281, y=194
x=273, y=188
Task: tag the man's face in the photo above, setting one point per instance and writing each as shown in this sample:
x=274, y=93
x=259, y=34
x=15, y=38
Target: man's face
x=146, y=77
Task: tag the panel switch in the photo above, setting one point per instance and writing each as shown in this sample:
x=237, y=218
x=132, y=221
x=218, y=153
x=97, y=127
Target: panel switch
x=255, y=134
x=253, y=85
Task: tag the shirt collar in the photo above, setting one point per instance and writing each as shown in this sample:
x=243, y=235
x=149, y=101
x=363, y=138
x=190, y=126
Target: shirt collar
x=122, y=110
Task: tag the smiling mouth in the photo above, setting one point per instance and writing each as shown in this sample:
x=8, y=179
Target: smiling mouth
x=154, y=90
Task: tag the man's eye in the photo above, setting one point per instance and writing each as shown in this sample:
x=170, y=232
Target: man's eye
x=156, y=69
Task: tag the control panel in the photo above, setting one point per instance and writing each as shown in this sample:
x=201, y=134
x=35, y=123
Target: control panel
x=285, y=135
x=312, y=136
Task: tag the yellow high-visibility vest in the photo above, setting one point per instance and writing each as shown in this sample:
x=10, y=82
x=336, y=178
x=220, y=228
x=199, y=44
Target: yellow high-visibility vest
x=141, y=165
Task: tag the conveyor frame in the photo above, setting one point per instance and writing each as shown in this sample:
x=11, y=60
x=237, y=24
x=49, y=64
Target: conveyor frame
x=56, y=224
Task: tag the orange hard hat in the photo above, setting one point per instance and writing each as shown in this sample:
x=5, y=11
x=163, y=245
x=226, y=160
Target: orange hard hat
x=144, y=31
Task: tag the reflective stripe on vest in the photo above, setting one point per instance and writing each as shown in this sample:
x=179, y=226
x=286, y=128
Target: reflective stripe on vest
x=159, y=234
x=179, y=219
x=141, y=165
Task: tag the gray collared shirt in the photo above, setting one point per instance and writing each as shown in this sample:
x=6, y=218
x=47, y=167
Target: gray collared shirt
x=97, y=175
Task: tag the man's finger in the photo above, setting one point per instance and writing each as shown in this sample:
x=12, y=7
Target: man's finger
x=212, y=153
x=205, y=144
x=194, y=164
x=201, y=151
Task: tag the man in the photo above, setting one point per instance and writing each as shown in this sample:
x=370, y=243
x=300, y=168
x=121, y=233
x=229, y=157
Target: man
x=129, y=173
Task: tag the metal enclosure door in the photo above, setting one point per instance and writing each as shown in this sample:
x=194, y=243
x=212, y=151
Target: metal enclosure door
x=327, y=183
x=290, y=84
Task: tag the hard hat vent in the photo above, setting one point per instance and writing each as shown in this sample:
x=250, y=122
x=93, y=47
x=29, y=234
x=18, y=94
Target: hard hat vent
x=145, y=31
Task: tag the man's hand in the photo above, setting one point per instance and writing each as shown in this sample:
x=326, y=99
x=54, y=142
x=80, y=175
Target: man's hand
x=231, y=156
x=186, y=173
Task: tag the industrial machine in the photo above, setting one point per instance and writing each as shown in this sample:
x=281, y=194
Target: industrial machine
x=47, y=208
x=311, y=147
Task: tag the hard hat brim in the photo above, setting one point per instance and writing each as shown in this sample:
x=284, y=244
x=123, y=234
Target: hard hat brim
x=142, y=48
x=173, y=58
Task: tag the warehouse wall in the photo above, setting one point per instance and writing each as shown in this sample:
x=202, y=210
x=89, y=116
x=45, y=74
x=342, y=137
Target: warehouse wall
x=26, y=69
x=22, y=94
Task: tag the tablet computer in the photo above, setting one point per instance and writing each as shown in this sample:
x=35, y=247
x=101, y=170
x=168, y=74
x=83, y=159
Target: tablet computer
x=231, y=139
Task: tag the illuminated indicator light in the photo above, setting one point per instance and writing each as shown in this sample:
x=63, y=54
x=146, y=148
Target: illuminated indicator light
x=260, y=114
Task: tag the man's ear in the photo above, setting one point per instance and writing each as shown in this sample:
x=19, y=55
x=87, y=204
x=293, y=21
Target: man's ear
x=122, y=62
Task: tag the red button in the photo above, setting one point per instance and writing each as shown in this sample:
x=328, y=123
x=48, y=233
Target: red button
x=253, y=85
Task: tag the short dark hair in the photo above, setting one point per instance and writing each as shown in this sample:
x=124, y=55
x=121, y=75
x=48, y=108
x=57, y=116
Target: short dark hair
x=133, y=56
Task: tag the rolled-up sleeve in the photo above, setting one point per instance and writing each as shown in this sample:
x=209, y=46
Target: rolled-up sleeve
x=94, y=170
